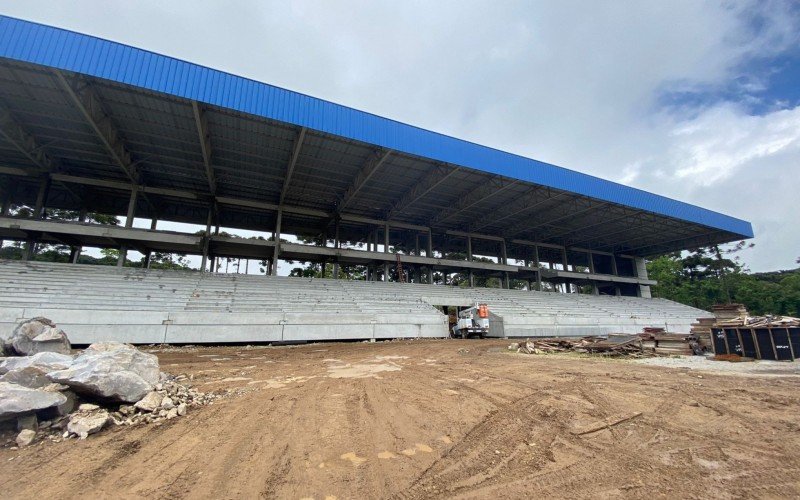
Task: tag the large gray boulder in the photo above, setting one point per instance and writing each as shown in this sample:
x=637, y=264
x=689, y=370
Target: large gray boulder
x=17, y=400
x=30, y=377
x=111, y=370
x=45, y=361
x=36, y=335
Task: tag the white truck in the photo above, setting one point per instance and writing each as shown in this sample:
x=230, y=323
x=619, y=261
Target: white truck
x=472, y=321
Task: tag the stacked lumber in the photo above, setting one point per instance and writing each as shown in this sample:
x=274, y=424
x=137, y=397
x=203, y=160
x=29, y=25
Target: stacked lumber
x=729, y=314
x=702, y=330
x=671, y=344
x=764, y=321
x=614, y=345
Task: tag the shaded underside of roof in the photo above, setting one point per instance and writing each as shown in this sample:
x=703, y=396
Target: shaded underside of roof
x=105, y=111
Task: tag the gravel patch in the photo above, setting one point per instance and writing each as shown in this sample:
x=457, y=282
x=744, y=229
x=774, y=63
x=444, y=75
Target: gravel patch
x=707, y=364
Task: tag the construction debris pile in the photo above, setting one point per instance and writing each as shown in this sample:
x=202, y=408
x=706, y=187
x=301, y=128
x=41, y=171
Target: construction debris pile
x=46, y=392
x=651, y=342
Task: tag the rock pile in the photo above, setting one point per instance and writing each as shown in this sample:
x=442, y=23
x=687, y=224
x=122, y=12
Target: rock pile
x=51, y=394
x=34, y=336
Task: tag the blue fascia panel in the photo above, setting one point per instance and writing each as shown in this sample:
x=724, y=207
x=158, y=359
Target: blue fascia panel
x=66, y=50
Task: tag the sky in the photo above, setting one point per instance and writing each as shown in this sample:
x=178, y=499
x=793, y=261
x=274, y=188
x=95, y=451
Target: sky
x=698, y=101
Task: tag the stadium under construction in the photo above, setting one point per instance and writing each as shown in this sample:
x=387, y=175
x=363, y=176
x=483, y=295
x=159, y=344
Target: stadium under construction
x=92, y=126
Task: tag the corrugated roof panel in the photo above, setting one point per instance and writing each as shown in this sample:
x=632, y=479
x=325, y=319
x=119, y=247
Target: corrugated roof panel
x=30, y=42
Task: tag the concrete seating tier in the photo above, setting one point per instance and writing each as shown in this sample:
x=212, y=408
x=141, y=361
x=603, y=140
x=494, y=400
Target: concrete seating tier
x=152, y=306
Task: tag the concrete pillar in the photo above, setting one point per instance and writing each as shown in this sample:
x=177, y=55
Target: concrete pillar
x=336, y=246
x=38, y=213
x=75, y=252
x=595, y=290
x=641, y=272
x=386, y=250
x=538, y=267
x=469, y=258
x=123, y=250
x=148, y=254
x=206, y=241
x=504, y=255
x=278, y=220
x=5, y=207
x=429, y=253
x=564, y=259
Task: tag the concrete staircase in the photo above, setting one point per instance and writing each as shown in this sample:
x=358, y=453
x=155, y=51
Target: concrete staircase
x=96, y=303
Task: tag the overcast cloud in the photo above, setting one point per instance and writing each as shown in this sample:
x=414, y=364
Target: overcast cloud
x=696, y=101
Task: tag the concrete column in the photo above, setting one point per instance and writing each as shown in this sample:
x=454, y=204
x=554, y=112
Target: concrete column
x=5, y=207
x=469, y=258
x=641, y=272
x=123, y=250
x=386, y=250
x=75, y=252
x=41, y=198
x=429, y=253
x=336, y=243
x=595, y=290
x=38, y=213
x=564, y=258
x=277, y=254
x=148, y=254
x=504, y=254
x=538, y=267
x=206, y=236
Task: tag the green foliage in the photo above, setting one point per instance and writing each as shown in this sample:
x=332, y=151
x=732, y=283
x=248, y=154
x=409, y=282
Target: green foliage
x=713, y=275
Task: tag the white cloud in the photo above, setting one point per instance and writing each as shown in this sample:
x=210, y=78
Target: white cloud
x=574, y=83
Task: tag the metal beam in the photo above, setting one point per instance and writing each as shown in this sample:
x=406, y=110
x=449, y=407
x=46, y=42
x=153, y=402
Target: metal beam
x=91, y=107
x=471, y=198
x=524, y=225
x=25, y=143
x=362, y=177
x=204, y=136
x=595, y=224
x=425, y=185
x=520, y=205
x=298, y=145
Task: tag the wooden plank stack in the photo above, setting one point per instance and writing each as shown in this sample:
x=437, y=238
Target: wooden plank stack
x=702, y=330
x=729, y=314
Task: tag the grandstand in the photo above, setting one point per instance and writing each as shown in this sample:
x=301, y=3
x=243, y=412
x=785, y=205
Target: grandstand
x=93, y=126
x=96, y=303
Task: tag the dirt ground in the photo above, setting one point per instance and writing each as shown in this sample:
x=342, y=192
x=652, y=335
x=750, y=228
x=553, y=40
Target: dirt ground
x=446, y=418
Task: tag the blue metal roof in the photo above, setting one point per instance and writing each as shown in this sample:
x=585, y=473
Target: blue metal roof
x=49, y=46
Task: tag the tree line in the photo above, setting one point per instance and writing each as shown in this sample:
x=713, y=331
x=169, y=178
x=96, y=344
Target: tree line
x=716, y=275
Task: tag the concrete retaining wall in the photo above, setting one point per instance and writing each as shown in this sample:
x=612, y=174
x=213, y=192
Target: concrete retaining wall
x=149, y=327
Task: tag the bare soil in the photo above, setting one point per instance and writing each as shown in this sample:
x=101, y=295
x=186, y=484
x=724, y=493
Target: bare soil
x=425, y=419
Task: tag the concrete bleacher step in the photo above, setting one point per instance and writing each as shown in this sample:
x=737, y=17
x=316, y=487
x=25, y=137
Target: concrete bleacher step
x=208, y=307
